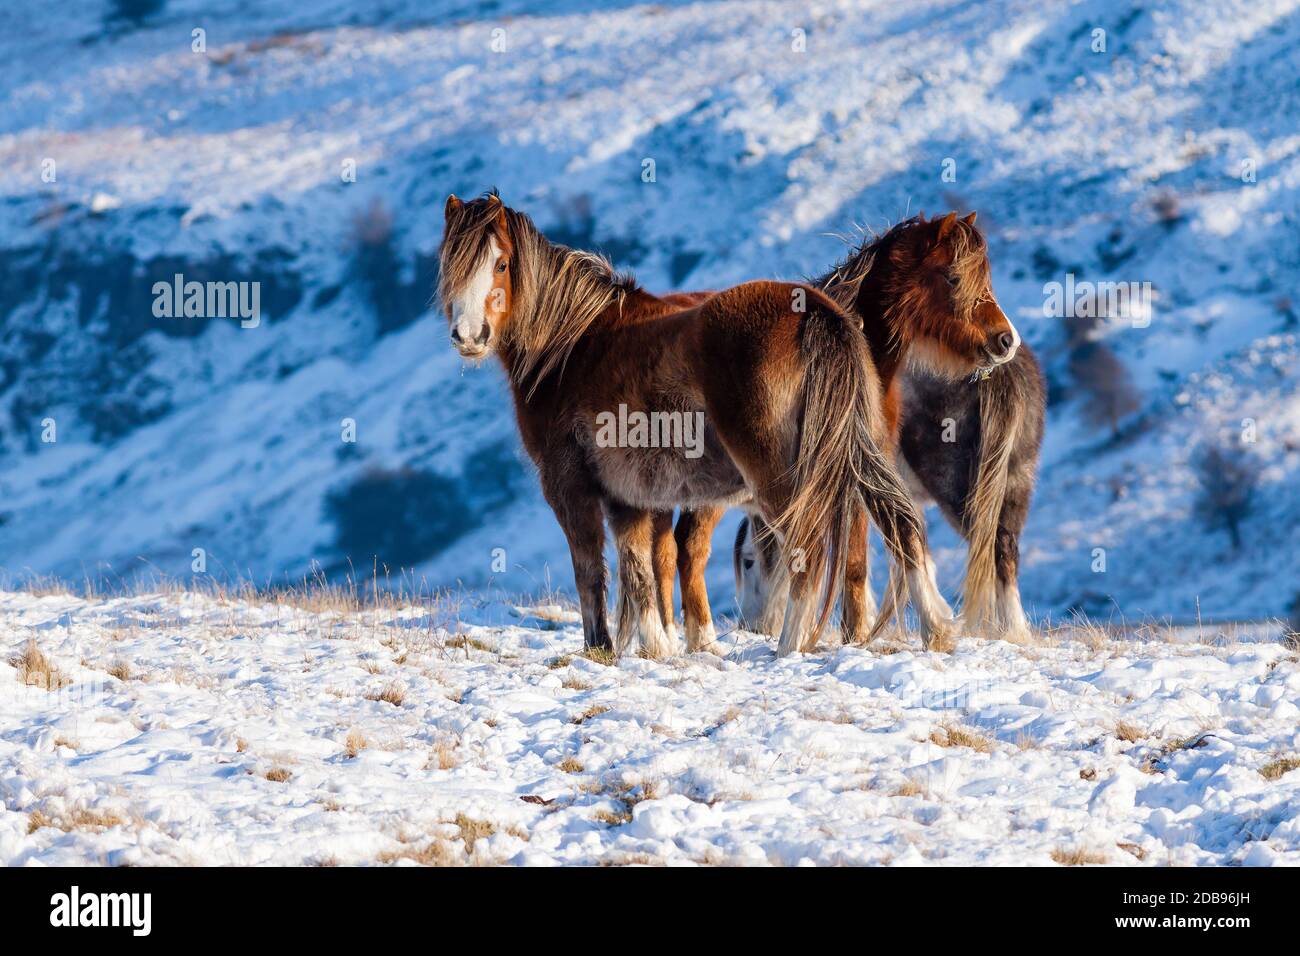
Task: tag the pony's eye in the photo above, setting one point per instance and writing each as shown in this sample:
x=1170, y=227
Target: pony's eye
x=953, y=280
x=749, y=563
x=501, y=266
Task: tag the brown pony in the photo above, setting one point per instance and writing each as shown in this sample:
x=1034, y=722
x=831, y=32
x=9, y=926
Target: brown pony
x=778, y=375
x=968, y=441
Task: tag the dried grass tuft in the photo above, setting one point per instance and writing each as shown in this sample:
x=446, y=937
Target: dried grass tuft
x=36, y=670
x=1077, y=857
x=392, y=693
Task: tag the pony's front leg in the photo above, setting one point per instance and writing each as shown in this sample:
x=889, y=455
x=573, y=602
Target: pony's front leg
x=694, y=535
x=639, y=613
x=580, y=517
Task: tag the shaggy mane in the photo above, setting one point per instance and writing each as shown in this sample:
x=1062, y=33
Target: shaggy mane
x=557, y=292
x=908, y=317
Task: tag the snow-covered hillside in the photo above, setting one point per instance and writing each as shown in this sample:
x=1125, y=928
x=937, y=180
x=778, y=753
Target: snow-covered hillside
x=189, y=730
x=770, y=125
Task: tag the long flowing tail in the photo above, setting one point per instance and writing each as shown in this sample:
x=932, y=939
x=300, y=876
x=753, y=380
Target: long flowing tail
x=1000, y=420
x=840, y=467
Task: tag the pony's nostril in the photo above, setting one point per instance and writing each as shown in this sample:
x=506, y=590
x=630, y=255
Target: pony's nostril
x=484, y=334
x=455, y=336
x=1007, y=341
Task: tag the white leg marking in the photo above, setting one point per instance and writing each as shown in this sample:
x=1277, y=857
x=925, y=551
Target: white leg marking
x=932, y=611
x=702, y=637
x=1012, y=614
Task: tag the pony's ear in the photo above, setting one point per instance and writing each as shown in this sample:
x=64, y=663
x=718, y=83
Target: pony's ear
x=453, y=206
x=970, y=220
x=945, y=226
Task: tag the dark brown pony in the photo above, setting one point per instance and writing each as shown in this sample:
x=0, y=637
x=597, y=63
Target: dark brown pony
x=779, y=375
x=969, y=442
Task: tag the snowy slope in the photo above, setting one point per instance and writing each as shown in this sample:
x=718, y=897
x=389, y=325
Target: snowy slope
x=250, y=734
x=226, y=164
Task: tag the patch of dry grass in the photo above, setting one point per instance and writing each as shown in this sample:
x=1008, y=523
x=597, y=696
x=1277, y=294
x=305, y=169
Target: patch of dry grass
x=629, y=794
x=1133, y=850
x=1130, y=732
x=473, y=830
x=121, y=670
x=354, y=744
x=279, y=774
x=392, y=693
x=36, y=670
x=911, y=788
x=600, y=655
x=1275, y=769
x=1151, y=764
x=570, y=765
x=595, y=710
x=630, y=859
x=574, y=682
x=94, y=821
x=1027, y=741
x=555, y=663
x=445, y=755
x=1095, y=637
x=437, y=852
x=461, y=641
x=955, y=735
x=1077, y=856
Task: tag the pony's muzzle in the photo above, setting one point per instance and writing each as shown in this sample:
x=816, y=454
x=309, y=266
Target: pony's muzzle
x=476, y=345
x=1001, y=346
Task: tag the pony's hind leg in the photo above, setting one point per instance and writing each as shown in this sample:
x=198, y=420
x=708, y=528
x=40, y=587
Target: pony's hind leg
x=694, y=538
x=664, y=558
x=639, y=621
x=1011, y=615
x=904, y=532
x=858, y=604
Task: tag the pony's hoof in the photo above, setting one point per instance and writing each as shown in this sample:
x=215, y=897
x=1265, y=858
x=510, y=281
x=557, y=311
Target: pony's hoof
x=789, y=644
x=942, y=639
x=703, y=640
x=658, y=644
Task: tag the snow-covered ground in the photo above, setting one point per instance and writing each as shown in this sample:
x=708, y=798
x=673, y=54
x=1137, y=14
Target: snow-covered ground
x=244, y=733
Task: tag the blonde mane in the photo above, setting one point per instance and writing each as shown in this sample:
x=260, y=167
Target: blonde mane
x=557, y=292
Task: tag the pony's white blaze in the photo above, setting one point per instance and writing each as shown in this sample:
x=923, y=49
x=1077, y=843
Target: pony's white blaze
x=469, y=309
x=1015, y=334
